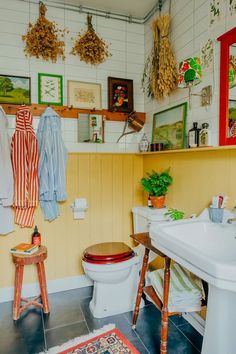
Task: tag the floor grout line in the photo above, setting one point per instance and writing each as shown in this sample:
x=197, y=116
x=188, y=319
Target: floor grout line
x=186, y=337
x=63, y=325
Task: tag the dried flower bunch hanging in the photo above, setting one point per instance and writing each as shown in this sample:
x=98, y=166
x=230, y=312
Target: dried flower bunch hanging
x=160, y=71
x=44, y=39
x=90, y=47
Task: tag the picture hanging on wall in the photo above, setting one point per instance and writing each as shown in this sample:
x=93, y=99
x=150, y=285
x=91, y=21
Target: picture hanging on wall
x=169, y=127
x=85, y=95
x=120, y=95
x=15, y=89
x=50, y=89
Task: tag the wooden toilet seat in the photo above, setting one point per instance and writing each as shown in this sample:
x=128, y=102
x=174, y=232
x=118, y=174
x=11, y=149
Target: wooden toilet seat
x=108, y=253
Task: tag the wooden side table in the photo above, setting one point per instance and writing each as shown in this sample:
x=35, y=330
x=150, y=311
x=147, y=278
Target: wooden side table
x=145, y=240
x=20, y=260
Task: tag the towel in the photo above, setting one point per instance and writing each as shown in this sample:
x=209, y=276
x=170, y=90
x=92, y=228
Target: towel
x=185, y=294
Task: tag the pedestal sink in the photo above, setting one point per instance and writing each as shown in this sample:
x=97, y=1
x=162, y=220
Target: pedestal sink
x=209, y=251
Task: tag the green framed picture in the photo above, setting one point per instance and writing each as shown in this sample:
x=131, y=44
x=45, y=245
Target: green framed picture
x=50, y=89
x=169, y=127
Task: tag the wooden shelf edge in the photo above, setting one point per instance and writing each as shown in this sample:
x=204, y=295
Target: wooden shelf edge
x=180, y=151
x=70, y=112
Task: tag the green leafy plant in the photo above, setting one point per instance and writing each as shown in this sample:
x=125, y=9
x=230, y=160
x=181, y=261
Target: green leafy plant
x=156, y=184
x=174, y=214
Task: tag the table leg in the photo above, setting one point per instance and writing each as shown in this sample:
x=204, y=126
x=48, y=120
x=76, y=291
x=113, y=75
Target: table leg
x=17, y=291
x=140, y=287
x=43, y=286
x=164, y=312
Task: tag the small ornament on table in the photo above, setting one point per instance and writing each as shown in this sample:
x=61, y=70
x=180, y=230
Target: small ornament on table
x=143, y=144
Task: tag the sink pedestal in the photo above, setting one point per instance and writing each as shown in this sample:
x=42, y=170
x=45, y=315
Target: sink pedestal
x=220, y=333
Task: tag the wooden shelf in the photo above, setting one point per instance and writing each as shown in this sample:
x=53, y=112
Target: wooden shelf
x=200, y=149
x=70, y=112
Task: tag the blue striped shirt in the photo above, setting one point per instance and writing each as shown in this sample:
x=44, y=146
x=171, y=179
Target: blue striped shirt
x=52, y=164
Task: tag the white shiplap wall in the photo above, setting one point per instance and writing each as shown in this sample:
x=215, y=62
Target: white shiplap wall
x=189, y=31
x=127, y=48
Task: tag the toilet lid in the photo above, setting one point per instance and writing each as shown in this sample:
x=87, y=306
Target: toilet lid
x=108, y=252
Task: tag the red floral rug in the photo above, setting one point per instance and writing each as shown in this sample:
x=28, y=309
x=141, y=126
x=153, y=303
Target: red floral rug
x=110, y=342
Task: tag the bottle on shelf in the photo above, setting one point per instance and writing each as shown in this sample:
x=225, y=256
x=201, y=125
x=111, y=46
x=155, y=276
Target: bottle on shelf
x=143, y=144
x=193, y=136
x=36, y=237
x=205, y=135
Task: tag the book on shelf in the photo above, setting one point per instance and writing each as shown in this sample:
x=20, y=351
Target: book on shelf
x=24, y=248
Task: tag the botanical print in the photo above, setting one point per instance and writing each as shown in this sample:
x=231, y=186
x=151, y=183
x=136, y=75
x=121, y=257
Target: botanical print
x=232, y=7
x=50, y=89
x=14, y=89
x=84, y=95
x=214, y=11
x=120, y=95
x=206, y=54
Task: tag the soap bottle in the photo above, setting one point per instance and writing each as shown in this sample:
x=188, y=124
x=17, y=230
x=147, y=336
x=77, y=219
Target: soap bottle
x=36, y=237
x=193, y=136
x=205, y=135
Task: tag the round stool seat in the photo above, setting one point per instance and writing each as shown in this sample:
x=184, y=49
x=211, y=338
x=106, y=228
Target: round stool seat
x=107, y=253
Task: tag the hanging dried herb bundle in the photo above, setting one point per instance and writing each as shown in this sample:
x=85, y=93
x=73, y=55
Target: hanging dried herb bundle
x=44, y=39
x=160, y=72
x=91, y=48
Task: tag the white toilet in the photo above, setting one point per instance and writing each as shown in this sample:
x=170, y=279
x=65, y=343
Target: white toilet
x=114, y=267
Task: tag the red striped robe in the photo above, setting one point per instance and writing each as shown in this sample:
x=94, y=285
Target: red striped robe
x=25, y=162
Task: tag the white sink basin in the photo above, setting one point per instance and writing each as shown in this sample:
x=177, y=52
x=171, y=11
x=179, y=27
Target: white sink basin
x=209, y=251
x=206, y=248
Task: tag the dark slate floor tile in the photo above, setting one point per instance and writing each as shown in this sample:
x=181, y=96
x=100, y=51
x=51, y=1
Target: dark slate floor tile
x=60, y=335
x=139, y=346
x=178, y=320
x=121, y=321
x=148, y=328
x=64, y=309
x=25, y=335
x=193, y=335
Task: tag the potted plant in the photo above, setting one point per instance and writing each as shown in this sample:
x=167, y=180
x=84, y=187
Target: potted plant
x=156, y=184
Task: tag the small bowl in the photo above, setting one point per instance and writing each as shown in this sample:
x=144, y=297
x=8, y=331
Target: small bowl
x=157, y=146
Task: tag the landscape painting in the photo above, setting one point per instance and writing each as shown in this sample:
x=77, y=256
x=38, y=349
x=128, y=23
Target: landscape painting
x=15, y=89
x=169, y=127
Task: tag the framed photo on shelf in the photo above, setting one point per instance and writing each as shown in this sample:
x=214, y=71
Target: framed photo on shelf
x=50, y=89
x=84, y=95
x=169, y=127
x=120, y=95
x=15, y=89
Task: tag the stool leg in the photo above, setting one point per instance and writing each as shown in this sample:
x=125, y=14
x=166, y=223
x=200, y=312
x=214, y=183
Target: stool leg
x=17, y=291
x=164, y=312
x=43, y=286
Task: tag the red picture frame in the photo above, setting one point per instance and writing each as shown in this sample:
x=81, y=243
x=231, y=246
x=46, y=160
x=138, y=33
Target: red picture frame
x=225, y=40
x=120, y=95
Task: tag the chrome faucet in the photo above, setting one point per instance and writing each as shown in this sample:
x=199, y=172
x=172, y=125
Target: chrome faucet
x=231, y=220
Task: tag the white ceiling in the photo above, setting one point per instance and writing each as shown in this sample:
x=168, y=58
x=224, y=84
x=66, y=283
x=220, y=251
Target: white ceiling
x=135, y=8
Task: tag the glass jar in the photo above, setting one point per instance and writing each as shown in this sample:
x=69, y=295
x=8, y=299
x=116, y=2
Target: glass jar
x=143, y=144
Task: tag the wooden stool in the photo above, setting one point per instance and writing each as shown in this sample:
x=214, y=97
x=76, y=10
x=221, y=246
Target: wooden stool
x=20, y=260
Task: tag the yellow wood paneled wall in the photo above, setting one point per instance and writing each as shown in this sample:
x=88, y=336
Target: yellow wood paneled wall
x=111, y=184
x=197, y=176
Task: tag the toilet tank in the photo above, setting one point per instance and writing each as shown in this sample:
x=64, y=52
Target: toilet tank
x=144, y=216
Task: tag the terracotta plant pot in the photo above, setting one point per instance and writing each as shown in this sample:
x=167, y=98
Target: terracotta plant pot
x=158, y=202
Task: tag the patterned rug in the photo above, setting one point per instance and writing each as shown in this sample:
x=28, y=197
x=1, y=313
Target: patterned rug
x=104, y=341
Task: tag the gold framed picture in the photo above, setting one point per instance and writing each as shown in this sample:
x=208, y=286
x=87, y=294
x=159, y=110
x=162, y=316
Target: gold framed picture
x=85, y=95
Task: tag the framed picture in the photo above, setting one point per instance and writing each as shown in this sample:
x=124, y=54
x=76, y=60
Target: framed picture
x=169, y=127
x=50, y=89
x=85, y=95
x=15, y=89
x=232, y=119
x=120, y=95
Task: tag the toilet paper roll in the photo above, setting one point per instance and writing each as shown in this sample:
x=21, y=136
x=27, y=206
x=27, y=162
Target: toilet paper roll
x=80, y=203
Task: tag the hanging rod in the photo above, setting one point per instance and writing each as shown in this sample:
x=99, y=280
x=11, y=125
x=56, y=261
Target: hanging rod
x=99, y=12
